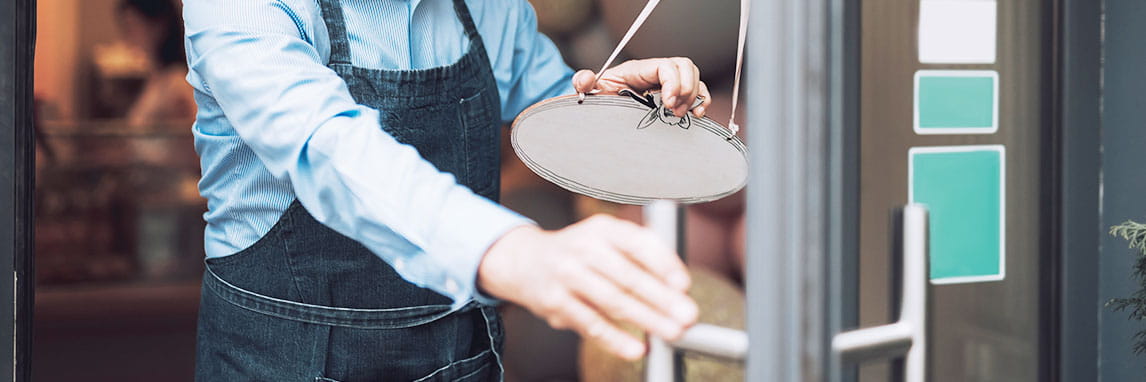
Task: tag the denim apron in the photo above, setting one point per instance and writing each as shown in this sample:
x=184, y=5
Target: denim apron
x=306, y=303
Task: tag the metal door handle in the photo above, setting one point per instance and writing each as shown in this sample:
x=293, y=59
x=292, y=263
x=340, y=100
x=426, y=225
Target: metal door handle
x=906, y=337
x=909, y=335
x=732, y=344
x=715, y=341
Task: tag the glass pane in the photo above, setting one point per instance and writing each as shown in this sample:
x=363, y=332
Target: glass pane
x=119, y=228
x=117, y=171
x=974, y=155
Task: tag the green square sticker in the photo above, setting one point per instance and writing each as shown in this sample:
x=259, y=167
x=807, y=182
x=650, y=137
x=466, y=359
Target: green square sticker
x=956, y=102
x=964, y=190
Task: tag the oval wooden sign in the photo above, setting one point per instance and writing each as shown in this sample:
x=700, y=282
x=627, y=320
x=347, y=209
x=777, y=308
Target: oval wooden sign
x=627, y=149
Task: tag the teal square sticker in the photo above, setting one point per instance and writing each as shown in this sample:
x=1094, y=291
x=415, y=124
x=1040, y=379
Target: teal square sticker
x=964, y=189
x=956, y=102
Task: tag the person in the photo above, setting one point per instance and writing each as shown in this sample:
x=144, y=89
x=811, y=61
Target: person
x=154, y=27
x=349, y=152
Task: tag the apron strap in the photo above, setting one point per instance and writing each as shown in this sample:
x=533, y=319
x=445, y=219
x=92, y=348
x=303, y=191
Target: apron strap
x=467, y=20
x=644, y=15
x=336, y=29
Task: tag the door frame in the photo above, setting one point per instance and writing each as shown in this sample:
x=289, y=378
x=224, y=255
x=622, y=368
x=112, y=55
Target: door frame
x=802, y=193
x=825, y=76
x=17, y=165
x=1071, y=278
x=806, y=50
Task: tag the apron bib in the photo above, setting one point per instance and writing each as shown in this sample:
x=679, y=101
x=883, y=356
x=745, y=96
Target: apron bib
x=306, y=303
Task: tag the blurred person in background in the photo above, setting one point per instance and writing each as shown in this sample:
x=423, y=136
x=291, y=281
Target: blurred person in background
x=155, y=27
x=350, y=159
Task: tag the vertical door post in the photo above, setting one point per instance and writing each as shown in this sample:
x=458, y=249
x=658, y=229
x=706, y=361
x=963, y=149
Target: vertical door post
x=17, y=42
x=789, y=246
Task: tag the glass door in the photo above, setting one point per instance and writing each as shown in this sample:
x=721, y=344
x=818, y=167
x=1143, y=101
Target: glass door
x=863, y=108
x=952, y=116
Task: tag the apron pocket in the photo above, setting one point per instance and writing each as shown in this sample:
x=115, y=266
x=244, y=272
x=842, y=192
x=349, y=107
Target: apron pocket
x=429, y=352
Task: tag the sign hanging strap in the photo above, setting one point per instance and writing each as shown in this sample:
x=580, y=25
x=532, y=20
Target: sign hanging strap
x=745, y=6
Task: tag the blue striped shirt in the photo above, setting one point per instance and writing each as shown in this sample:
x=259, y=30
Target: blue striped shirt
x=275, y=124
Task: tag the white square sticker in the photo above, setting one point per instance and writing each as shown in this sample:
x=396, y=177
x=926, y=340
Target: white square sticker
x=957, y=31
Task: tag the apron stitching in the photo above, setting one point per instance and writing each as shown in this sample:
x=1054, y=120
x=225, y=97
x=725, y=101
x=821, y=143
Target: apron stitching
x=341, y=322
x=474, y=358
x=334, y=310
x=472, y=373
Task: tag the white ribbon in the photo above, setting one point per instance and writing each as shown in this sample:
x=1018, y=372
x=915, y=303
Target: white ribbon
x=745, y=6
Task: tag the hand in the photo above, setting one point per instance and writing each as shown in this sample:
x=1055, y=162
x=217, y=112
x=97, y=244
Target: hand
x=591, y=275
x=677, y=78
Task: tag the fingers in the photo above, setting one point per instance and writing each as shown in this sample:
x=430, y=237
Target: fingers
x=678, y=79
x=652, y=291
x=706, y=99
x=611, y=271
x=617, y=304
x=669, y=77
x=649, y=251
x=689, y=86
x=572, y=313
x=583, y=81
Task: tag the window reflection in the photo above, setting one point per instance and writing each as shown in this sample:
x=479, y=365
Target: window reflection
x=153, y=34
x=116, y=177
x=119, y=228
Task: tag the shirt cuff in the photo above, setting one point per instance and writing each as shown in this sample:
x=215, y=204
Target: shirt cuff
x=472, y=226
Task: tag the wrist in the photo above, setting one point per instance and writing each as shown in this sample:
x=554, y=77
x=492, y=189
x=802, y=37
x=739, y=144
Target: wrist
x=495, y=271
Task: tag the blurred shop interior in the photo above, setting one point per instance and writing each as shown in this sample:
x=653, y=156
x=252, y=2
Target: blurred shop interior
x=119, y=225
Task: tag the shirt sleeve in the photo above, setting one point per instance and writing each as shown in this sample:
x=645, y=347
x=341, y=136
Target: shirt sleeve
x=538, y=71
x=299, y=118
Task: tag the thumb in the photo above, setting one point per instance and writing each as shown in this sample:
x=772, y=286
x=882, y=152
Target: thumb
x=583, y=81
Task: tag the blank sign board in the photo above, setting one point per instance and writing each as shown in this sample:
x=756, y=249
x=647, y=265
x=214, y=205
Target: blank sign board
x=957, y=31
x=956, y=102
x=618, y=149
x=963, y=187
